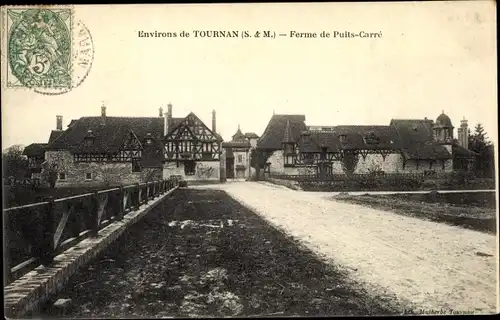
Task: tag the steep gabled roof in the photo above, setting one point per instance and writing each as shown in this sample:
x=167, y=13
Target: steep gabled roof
x=54, y=134
x=239, y=141
x=109, y=132
x=239, y=136
x=428, y=150
x=461, y=152
x=251, y=135
x=175, y=123
x=314, y=141
x=367, y=137
x=416, y=139
x=273, y=135
x=179, y=121
x=35, y=150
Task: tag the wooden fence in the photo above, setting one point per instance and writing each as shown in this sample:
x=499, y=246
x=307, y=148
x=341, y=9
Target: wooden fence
x=420, y=176
x=34, y=234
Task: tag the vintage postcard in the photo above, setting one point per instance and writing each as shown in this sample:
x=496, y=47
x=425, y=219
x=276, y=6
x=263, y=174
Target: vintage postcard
x=250, y=160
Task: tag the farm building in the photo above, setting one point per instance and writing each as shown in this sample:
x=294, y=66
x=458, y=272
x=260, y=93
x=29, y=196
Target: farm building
x=236, y=154
x=125, y=150
x=403, y=146
x=192, y=150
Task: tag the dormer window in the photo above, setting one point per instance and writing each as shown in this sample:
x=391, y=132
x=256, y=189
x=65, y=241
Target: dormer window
x=371, y=138
x=149, y=139
x=343, y=138
x=89, y=138
x=289, y=148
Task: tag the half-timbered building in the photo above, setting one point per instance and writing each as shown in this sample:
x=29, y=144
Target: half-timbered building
x=192, y=149
x=403, y=146
x=107, y=150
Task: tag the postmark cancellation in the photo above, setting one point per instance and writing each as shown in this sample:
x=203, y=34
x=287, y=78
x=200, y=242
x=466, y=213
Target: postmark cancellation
x=45, y=49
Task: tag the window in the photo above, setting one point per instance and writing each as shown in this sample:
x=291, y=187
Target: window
x=289, y=160
x=88, y=176
x=289, y=148
x=308, y=158
x=62, y=176
x=240, y=158
x=343, y=138
x=136, y=165
x=189, y=168
x=206, y=156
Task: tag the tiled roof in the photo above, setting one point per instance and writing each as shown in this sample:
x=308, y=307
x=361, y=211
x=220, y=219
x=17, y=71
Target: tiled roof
x=239, y=136
x=416, y=139
x=273, y=135
x=367, y=137
x=251, y=135
x=35, y=150
x=239, y=141
x=175, y=122
x=54, y=134
x=461, y=152
x=413, y=137
x=313, y=141
x=428, y=150
x=110, y=133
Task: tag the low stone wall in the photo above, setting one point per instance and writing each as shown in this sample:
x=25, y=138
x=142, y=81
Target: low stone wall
x=30, y=291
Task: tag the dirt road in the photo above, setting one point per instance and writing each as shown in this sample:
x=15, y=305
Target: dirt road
x=433, y=266
x=203, y=254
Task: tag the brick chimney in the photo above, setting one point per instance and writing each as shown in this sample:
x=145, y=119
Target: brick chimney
x=103, y=114
x=463, y=134
x=168, y=119
x=214, y=124
x=59, y=120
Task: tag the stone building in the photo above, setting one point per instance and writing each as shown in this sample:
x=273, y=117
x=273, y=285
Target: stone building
x=35, y=152
x=126, y=150
x=192, y=150
x=237, y=154
x=107, y=150
x=403, y=146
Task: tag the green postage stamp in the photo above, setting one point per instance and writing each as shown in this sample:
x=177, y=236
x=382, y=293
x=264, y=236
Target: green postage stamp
x=44, y=47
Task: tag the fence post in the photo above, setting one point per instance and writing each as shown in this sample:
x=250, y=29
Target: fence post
x=138, y=199
x=45, y=250
x=121, y=203
x=94, y=214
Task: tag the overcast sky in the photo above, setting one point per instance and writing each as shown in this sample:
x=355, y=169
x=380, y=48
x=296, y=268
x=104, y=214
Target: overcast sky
x=431, y=57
